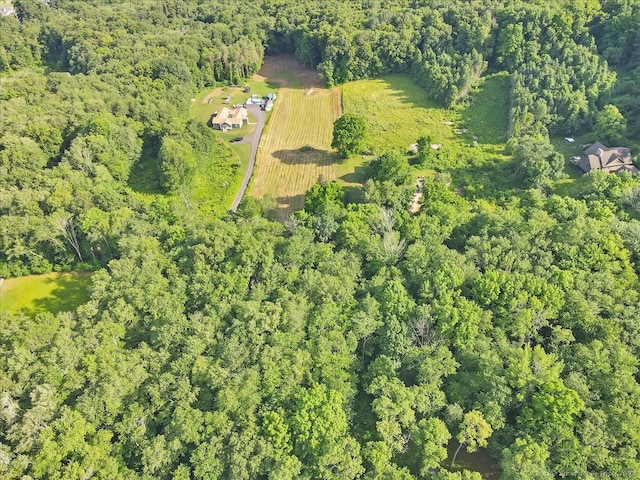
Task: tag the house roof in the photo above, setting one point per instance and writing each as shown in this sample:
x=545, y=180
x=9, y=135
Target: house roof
x=234, y=117
x=600, y=157
x=220, y=118
x=239, y=113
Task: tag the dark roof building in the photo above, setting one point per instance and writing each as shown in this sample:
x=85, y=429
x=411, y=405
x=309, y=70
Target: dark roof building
x=600, y=157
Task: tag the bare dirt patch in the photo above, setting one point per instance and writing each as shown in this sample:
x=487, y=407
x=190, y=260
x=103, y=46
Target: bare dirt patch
x=215, y=93
x=288, y=72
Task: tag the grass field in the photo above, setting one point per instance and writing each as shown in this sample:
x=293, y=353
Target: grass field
x=146, y=175
x=296, y=145
x=52, y=292
x=216, y=181
x=398, y=112
x=211, y=194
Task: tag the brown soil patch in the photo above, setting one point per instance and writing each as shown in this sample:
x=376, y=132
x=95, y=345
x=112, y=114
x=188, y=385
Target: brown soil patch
x=212, y=94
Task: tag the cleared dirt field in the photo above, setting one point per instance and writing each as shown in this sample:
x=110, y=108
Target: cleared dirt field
x=295, y=149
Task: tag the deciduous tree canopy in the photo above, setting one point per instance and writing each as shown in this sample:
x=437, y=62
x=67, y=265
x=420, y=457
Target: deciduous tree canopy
x=355, y=340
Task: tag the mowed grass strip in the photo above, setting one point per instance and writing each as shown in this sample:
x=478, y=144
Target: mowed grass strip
x=50, y=292
x=295, y=149
x=488, y=112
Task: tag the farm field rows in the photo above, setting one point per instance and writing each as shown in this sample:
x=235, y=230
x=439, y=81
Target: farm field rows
x=295, y=149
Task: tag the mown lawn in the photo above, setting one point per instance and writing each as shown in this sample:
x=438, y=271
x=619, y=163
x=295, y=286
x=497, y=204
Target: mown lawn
x=52, y=292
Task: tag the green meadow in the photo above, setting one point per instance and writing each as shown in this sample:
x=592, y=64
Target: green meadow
x=470, y=137
x=51, y=292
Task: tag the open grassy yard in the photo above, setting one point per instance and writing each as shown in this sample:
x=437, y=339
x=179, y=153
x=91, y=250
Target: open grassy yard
x=471, y=136
x=52, y=292
x=211, y=100
x=565, y=186
x=296, y=144
x=208, y=192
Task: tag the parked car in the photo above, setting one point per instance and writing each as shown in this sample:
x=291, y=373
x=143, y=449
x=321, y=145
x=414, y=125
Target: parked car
x=236, y=139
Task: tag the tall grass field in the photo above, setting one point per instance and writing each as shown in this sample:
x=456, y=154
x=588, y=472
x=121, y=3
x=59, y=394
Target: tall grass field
x=470, y=137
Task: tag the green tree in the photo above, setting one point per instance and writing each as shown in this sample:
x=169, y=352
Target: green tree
x=610, y=126
x=431, y=437
x=178, y=164
x=536, y=161
x=323, y=196
x=319, y=431
x=474, y=432
x=526, y=459
x=349, y=132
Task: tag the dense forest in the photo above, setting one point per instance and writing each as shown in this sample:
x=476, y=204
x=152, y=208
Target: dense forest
x=354, y=340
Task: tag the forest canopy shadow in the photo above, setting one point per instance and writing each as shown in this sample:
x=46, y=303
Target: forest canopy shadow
x=68, y=293
x=288, y=204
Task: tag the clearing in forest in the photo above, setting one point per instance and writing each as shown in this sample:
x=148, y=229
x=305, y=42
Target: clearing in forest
x=215, y=187
x=470, y=137
x=295, y=149
x=50, y=292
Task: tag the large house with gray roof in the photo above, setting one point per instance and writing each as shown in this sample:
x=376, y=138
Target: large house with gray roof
x=600, y=157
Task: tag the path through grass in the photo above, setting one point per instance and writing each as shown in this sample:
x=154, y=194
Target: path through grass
x=52, y=292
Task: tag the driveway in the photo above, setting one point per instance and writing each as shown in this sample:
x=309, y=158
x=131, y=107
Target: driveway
x=253, y=140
